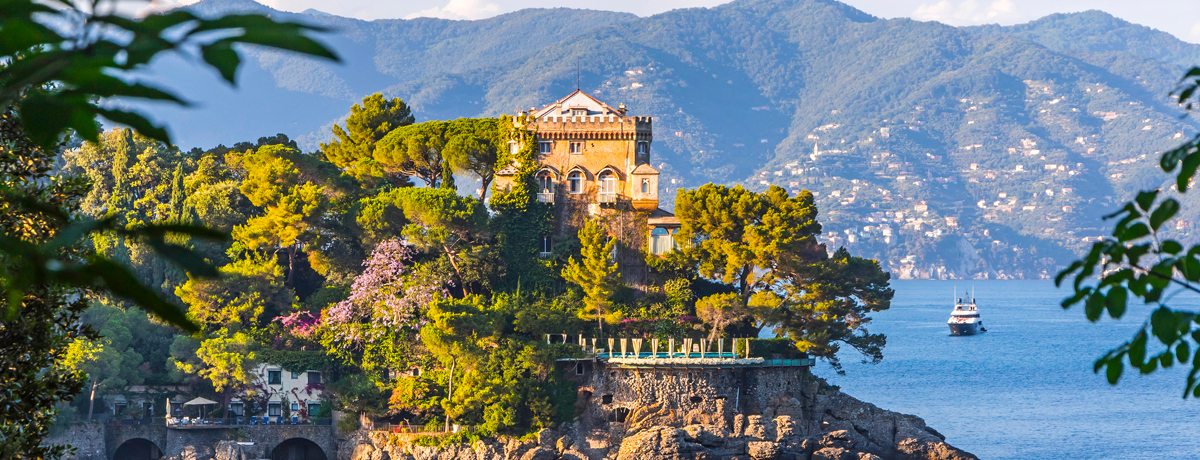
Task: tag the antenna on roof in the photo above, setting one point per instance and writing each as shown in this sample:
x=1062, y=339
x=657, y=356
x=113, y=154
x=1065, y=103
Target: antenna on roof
x=577, y=75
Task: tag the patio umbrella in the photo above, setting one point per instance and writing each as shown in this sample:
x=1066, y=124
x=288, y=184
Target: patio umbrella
x=200, y=402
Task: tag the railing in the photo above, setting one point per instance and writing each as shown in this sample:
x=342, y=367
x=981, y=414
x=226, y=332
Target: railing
x=607, y=197
x=544, y=255
x=185, y=422
x=545, y=197
x=419, y=429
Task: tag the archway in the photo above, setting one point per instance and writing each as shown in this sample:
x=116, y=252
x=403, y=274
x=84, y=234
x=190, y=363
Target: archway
x=298, y=449
x=138, y=449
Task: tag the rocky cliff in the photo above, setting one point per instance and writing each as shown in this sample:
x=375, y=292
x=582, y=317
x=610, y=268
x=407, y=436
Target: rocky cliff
x=843, y=429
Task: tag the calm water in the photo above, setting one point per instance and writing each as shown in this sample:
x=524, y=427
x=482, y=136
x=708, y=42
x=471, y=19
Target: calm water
x=1025, y=389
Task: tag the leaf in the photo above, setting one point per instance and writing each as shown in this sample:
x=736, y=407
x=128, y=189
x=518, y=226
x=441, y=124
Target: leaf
x=189, y=260
x=1134, y=232
x=1164, y=324
x=1164, y=212
x=1190, y=163
x=1146, y=199
x=1181, y=351
x=120, y=282
x=1137, y=349
x=283, y=38
x=221, y=56
x=1116, y=299
x=1094, y=307
x=183, y=229
x=138, y=123
x=1171, y=247
x=1115, y=367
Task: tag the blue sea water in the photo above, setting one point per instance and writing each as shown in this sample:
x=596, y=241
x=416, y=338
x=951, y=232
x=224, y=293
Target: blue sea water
x=1025, y=389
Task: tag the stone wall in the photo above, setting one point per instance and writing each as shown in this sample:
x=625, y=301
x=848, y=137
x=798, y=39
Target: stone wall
x=86, y=438
x=684, y=395
x=99, y=442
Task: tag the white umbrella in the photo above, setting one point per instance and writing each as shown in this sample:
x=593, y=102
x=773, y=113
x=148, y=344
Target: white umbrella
x=200, y=402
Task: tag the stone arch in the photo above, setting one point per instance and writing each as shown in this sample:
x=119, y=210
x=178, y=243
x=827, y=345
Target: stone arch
x=138, y=449
x=298, y=449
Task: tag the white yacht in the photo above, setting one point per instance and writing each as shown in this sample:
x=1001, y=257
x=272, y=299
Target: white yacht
x=964, y=320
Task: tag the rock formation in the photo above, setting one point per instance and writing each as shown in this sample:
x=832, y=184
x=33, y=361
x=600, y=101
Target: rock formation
x=846, y=429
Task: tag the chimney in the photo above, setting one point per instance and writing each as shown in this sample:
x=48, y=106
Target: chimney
x=621, y=108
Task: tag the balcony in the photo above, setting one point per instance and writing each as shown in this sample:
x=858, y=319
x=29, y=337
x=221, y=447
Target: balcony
x=607, y=197
x=545, y=197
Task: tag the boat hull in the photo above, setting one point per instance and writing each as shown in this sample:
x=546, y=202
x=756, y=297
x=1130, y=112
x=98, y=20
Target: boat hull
x=964, y=328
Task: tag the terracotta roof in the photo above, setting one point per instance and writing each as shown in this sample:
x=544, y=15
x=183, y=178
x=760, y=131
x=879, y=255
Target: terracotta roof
x=644, y=169
x=663, y=218
x=577, y=100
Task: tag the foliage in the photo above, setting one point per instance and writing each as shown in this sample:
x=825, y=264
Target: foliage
x=763, y=245
x=353, y=148
x=521, y=221
x=595, y=272
x=348, y=424
x=1137, y=262
x=54, y=77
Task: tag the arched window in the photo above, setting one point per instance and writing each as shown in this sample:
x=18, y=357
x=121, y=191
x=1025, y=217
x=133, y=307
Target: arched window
x=646, y=186
x=575, y=182
x=545, y=182
x=661, y=241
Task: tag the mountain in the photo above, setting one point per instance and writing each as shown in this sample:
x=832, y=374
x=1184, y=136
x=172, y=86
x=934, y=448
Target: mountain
x=944, y=152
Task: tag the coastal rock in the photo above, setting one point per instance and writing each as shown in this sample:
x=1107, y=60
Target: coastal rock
x=200, y=452
x=763, y=450
x=540, y=453
x=368, y=452
x=757, y=429
x=659, y=443
x=231, y=450
x=706, y=435
x=834, y=453
x=912, y=449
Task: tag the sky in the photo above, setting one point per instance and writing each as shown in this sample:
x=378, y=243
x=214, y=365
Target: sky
x=1180, y=18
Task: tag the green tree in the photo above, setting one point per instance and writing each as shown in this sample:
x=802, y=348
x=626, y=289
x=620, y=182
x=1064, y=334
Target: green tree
x=474, y=146
x=414, y=150
x=763, y=246
x=595, y=272
x=458, y=332
x=353, y=148
x=1140, y=261
x=291, y=209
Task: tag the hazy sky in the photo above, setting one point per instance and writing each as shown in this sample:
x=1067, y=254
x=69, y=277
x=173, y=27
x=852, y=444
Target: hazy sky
x=1178, y=17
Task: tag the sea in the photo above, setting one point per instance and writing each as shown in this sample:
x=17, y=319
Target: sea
x=1025, y=389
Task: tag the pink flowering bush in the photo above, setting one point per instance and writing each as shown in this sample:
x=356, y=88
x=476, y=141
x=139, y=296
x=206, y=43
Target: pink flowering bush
x=386, y=297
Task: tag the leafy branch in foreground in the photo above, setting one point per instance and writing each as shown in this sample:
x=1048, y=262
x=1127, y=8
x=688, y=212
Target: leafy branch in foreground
x=1137, y=262
x=57, y=77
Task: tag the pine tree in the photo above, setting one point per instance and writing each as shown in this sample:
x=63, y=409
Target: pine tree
x=178, y=196
x=448, y=176
x=595, y=272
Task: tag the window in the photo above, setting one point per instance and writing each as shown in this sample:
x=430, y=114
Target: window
x=118, y=408
x=575, y=182
x=661, y=241
x=578, y=112
x=545, y=147
x=274, y=409
x=147, y=409
x=608, y=187
x=295, y=375
x=643, y=148
x=545, y=182
x=547, y=246
x=577, y=148
x=606, y=399
x=238, y=409
x=646, y=186
x=295, y=407
x=314, y=409
x=274, y=377
x=314, y=378
x=578, y=368
x=513, y=147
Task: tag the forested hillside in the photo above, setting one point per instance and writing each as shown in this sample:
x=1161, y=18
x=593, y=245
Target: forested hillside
x=942, y=151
